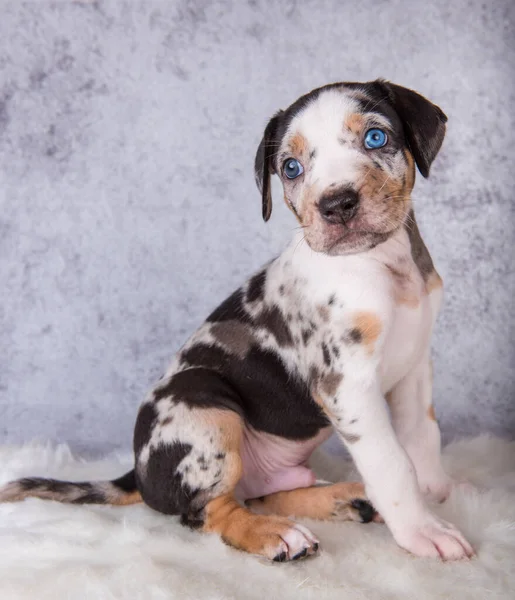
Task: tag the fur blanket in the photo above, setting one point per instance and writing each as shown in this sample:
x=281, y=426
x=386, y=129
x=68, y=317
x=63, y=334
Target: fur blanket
x=53, y=551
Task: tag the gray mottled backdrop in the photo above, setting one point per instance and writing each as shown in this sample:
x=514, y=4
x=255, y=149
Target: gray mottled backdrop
x=128, y=206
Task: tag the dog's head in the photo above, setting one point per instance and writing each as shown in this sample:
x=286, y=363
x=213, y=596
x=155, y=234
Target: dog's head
x=346, y=157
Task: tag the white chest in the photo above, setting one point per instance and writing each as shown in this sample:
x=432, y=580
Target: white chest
x=383, y=284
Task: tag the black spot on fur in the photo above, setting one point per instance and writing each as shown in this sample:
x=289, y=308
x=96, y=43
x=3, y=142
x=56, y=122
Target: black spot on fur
x=249, y=387
x=313, y=153
x=332, y=300
x=161, y=486
x=419, y=251
x=272, y=319
x=126, y=483
x=336, y=351
x=232, y=308
x=194, y=520
x=355, y=336
x=306, y=335
x=145, y=422
x=281, y=290
x=327, y=356
x=256, y=287
x=365, y=509
x=220, y=455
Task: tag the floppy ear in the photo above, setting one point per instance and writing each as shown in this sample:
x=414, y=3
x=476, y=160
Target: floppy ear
x=264, y=163
x=423, y=121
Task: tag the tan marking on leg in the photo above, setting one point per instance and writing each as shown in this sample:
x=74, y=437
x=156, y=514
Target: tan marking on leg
x=321, y=503
x=230, y=428
x=240, y=528
x=369, y=326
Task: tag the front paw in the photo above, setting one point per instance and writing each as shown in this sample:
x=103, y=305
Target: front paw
x=433, y=537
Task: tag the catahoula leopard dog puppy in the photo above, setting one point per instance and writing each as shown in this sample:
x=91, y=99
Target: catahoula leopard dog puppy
x=333, y=335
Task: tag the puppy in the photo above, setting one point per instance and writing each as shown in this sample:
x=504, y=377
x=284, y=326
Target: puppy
x=333, y=335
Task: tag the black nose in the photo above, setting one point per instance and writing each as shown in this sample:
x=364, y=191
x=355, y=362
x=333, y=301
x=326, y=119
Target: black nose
x=339, y=207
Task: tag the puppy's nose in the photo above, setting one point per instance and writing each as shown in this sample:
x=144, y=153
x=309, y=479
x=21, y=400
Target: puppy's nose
x=339, y=207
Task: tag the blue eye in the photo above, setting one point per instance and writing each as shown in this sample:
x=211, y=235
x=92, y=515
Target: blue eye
x=375, y=138
x=292, y=168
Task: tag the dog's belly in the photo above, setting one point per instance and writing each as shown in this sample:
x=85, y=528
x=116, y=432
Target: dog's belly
x=272, y=463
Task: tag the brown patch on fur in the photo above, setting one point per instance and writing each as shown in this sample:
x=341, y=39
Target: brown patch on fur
x=354, y=123
x=298, y=144
x=307, y=208
x=384, y=201
x=292, y=208
x=321, y=503
x=235, y=336
x=125, y=499
x=369, y=325
x=12, y=492
x=410, y=176
x=431, y=413
x=230, y=428
x=324, y=313
x=329, y=383
x=240, y=528
x=433, y=282
x=324, y=386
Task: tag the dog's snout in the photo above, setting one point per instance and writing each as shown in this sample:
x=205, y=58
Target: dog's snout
x=339, y=207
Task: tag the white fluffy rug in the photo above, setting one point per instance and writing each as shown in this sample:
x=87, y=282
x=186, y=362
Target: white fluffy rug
x=53, y=551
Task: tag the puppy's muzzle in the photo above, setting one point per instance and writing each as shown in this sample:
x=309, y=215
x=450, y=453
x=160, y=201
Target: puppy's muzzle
x=339, y=206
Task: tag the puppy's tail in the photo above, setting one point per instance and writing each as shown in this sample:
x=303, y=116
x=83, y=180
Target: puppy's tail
x=119, y=492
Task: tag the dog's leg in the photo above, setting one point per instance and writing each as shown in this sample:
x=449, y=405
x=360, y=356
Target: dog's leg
x=360, y=415
x=414, y=422
x=339, y=502
x=193, y=468
x=273, y=537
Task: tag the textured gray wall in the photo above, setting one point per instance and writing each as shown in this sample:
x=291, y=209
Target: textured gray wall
x=128, y=206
